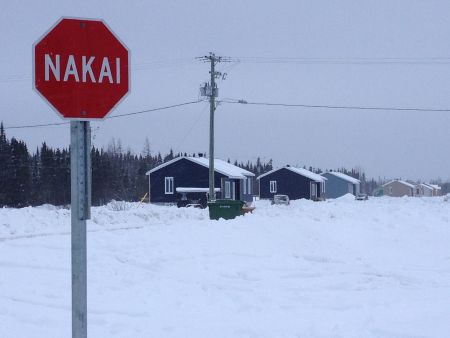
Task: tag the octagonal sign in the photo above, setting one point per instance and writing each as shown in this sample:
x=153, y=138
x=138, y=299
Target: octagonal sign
x=81, y=69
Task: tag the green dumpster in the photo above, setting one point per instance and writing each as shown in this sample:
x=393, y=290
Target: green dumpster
x=226, y=209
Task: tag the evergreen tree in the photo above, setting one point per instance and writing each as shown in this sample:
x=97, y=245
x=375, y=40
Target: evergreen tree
x=35, y=179
x=47, y=162
x=170, y=156
x=19, y=180
x=159, y=160
x=5, y=165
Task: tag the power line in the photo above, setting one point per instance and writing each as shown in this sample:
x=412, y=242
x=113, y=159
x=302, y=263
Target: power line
x=156, y=64
x=36, y=125
x=334, y=107
x=200, y=115
x=343, y=61
x=164, y=63
x=154, y=109
x=109, y=117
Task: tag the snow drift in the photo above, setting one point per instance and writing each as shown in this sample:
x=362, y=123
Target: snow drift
x=340, y=268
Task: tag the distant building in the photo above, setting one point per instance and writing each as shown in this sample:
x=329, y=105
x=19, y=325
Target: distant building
x=437, y=190
x=399, y=188
x=428, y=190
x=173, y=180
x=423, y=189
x=294, y=182
x=339, y=184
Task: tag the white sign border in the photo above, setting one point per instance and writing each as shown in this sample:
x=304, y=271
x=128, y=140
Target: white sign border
x=33, y=66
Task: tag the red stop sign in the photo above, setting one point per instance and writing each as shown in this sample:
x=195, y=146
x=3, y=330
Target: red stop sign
x=81, y=68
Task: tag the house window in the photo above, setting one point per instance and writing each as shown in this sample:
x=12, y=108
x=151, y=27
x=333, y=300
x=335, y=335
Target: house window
x=273, y=186
x=249, y=186
x=168, y=185
x=227, y=189
x=390, y=190
x=244, y=186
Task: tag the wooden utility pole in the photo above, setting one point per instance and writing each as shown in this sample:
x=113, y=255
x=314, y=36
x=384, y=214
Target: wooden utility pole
x=212, y=108
x=210, y=90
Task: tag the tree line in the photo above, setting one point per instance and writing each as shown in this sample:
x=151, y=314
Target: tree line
x=43, y=177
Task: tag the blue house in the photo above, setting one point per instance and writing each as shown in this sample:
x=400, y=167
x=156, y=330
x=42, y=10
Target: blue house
x=339, y=184
x=295, y=182
x=172, y=181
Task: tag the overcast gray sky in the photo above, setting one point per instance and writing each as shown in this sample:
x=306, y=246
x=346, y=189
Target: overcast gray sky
x=165, y=37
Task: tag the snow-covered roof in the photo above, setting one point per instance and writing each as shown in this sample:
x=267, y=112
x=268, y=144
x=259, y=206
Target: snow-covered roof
x=300, y=171
x=435, y=186
x=426, y=185
x=223, y=167
x=344, y=177
x=400, y=181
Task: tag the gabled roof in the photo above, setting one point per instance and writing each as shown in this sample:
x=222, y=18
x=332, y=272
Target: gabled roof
x=222, y=167
x=400, y=181
x=425, y=185
x=299, y=171
x=431, y=186
x=344, y=177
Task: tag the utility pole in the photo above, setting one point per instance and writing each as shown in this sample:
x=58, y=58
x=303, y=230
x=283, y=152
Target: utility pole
x=210, y=90
x=212, y=108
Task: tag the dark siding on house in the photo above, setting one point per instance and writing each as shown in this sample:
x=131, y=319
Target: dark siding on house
x=186, y=174
x=288, y=183
x=248, y=197
x=239, y=189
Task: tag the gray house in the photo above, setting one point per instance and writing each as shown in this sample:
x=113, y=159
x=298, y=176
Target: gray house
x=339, y=184
x=399, y=188
x=428, y=190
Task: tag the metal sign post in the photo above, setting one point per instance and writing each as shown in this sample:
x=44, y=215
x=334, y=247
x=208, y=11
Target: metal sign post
x=82, y=70
x=80, y=175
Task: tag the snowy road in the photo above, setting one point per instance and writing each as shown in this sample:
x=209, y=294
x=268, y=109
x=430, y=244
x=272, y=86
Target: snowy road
x=342, y=268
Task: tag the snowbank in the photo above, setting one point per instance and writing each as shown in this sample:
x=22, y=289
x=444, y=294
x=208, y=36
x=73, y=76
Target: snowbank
x=340, y=268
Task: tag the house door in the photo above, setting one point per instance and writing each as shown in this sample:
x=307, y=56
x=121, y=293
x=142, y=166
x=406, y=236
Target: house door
x=227, y=189
x=233, y=190
x=313, y=190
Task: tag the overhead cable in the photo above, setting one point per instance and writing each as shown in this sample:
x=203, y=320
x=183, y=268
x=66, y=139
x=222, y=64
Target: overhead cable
x=109, y=117
x=335, y=107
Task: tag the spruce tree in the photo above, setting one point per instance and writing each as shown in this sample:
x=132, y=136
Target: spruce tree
x=4, y=166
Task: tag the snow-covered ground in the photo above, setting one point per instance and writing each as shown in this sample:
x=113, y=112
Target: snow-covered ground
x=340, y=268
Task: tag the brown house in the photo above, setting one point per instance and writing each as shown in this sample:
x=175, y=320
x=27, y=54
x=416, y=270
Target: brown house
x=399, y=188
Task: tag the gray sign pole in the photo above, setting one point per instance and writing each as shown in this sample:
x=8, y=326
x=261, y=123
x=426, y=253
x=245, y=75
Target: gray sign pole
x=80, y=174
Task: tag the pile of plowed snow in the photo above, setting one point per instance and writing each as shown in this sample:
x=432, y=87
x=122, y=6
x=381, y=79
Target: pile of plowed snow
x=339, y=268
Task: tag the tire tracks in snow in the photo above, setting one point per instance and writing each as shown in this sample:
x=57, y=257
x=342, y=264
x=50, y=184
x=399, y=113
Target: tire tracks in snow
x=65, y=233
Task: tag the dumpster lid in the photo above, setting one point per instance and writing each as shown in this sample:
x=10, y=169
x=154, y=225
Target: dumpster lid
x=193, y=189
